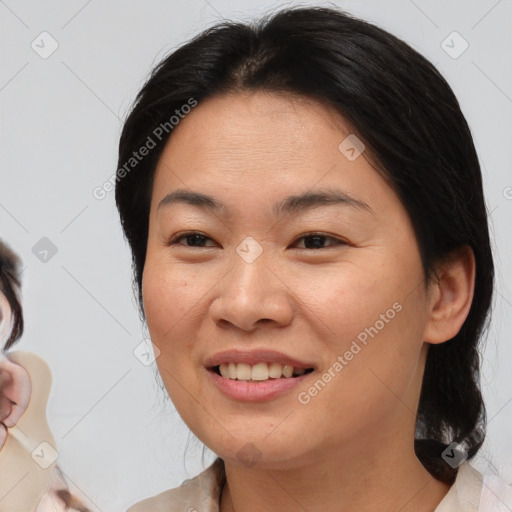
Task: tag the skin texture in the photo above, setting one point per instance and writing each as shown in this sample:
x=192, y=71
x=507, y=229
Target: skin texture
x=351, y=447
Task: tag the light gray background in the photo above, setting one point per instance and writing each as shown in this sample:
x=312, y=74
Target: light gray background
x=61, y=118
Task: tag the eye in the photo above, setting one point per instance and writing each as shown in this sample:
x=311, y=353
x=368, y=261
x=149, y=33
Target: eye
x=194, y=238
x=312, y=240
x=315, y=241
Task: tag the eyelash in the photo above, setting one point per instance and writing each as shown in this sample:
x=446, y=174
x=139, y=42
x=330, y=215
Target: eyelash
x=177, y=238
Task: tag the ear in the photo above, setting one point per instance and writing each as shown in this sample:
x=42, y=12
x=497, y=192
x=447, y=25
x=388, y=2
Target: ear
x=451, y=294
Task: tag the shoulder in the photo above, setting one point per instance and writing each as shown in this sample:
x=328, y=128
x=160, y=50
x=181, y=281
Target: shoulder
x=473, y=491
x=496, y=495
x=199, y=493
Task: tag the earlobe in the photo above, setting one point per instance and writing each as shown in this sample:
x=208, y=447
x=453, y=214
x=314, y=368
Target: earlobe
x=451, y=296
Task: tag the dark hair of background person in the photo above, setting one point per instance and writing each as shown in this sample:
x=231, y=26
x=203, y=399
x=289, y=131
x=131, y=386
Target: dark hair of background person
x=404, y=111
x=10, y=285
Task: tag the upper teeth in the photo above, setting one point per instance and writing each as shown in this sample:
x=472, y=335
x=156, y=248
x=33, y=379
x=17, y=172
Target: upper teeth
x=260, y=371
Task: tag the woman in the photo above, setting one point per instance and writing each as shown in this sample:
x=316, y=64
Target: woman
x=30, y=480
x=304, y=206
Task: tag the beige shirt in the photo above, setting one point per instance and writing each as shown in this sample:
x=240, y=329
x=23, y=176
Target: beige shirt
x=471, y=492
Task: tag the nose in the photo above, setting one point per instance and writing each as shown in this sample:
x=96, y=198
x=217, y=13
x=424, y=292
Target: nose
x=252, y=295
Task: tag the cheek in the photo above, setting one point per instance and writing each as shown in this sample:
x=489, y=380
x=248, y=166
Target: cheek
x=342, y=301
x=169, y=297
x=172, y=303
x=372, y=317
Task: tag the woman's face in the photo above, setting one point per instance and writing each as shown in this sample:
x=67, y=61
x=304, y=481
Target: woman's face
x=334, y=285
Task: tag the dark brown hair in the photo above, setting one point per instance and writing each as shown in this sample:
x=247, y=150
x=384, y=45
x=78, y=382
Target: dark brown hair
x=10, y=286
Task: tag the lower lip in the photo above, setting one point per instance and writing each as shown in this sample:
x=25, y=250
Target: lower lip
x=256, y=391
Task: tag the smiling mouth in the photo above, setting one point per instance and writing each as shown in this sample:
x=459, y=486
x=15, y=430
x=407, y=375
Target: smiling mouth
x=259, y=372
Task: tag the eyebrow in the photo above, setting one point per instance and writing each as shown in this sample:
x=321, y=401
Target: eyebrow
x=291, y=204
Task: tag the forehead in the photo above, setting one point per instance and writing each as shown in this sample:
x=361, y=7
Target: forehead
x=257, y=129
x=256, y=144
x=244, y=120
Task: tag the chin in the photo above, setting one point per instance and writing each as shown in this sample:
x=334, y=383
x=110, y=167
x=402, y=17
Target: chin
x=257, y=451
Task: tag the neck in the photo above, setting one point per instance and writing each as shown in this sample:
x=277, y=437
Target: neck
x=374, y=476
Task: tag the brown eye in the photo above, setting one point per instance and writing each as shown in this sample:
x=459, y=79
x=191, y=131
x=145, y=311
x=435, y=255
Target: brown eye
x=193, y=239
x=316, y=241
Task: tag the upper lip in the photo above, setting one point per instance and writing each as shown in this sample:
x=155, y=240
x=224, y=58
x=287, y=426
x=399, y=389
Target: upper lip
x=252, y=357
